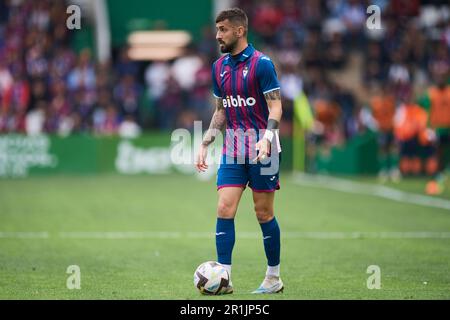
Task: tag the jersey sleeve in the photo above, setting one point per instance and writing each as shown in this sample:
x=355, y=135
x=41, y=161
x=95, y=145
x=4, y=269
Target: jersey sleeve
x=267, y=75
x=216, y=89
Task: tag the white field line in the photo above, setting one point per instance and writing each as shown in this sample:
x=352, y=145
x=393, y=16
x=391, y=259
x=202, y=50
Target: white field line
x=24, y=235
x=120, y=235
x=210, y=235
x=257, y=235
x=348, y=186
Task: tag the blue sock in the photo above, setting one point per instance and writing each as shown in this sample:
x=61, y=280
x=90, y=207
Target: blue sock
x=224, y=240
x=271, y=237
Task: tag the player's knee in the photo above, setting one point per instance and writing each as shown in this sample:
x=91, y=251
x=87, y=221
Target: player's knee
x=263, y=214
x=225, y=210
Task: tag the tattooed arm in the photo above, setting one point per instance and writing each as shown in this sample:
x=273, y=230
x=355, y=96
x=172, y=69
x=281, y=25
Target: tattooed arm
x=218, y=123
x=273, y=99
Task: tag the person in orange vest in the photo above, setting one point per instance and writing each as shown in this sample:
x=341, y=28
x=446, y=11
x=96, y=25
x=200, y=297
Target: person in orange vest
x=410, y=129
x=437, y=103
x=327, y=114
x=382, y=106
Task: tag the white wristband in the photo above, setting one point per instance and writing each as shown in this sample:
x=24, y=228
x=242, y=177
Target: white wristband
x=268, y=135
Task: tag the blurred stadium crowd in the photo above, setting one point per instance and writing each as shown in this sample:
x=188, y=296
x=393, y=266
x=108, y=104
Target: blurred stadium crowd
x=45, y=86
x=393, y=80
x=355, y=78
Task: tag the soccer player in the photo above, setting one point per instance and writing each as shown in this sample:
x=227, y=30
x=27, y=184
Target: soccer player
x=437, y=103
x=382, y=104
x=248, y=106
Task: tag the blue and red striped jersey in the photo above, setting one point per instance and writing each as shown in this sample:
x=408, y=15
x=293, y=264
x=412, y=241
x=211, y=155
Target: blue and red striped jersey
x=241, y=82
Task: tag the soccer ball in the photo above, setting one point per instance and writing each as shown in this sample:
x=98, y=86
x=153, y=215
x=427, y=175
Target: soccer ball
x=210, y=277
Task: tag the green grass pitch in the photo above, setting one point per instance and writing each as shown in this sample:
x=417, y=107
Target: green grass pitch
x=176, y=216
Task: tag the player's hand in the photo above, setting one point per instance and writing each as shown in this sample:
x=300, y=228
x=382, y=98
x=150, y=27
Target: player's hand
x=200, y=162
x=263, y=146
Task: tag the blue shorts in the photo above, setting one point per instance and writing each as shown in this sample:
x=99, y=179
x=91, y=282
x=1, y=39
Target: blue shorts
x=240, y=172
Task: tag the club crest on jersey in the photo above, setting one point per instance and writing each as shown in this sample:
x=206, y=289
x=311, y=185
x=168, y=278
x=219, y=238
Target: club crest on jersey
x=245, y=71
x=231, y=101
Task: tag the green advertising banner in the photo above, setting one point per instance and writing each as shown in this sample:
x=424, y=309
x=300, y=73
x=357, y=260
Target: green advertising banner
x=19, y=154
x=153, y=153
x=22, y=155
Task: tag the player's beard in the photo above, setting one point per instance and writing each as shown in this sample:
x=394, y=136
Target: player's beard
x=224, y=48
